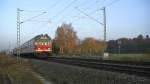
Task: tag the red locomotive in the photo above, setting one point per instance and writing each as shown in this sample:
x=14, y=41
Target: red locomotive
x=40, y=47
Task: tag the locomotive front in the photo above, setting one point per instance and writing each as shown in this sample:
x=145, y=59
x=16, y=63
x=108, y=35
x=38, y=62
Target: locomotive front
x=42, y=46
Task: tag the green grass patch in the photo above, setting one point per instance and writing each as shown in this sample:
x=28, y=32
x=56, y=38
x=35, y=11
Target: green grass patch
x=130, y=57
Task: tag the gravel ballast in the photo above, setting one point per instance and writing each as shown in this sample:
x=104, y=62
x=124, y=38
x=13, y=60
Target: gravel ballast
x=67, y=74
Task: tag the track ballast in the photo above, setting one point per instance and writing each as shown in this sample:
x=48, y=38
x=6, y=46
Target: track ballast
x=140, y=69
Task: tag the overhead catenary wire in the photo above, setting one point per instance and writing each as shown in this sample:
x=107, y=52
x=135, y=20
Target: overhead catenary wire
x=48, y=10
x=41, y=26
x=88, y=7
x=61, y=11
x=33, y=10
x=107, y=5
x=77, y=18
x=82, y=3
x=53, y=5
x=47, y=21
x=92, y=12
x=33, y=17
x=93, y=4
x=64, y=9
x=44, y=23
x=89, y=16
x=113, y=2
x=39, y=11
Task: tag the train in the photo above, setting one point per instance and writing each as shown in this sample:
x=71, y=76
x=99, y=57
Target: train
x=38, y=47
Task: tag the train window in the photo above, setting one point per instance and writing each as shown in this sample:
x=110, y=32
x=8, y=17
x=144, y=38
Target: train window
x=45, y=43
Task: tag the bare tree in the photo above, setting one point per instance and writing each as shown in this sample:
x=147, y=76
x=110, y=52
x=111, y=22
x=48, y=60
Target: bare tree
x=66, y=39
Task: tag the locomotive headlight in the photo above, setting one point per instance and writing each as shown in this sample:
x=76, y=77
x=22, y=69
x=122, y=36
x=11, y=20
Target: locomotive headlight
x=39, y=48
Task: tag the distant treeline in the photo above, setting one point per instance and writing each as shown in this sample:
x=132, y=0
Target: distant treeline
x=140, y=44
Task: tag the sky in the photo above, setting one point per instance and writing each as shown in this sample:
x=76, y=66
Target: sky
x=124, y=18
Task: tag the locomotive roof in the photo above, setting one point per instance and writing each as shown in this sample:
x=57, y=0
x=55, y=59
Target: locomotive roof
x=43, y=37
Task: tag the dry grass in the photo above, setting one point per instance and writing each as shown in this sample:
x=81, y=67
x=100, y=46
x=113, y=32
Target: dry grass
x=20, y=73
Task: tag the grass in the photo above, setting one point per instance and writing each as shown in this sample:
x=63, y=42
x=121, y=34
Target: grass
x=19, y=73
x=130, y=57
x=119, y=57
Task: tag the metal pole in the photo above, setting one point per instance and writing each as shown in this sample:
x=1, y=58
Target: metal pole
x=119, y=49
x=9, y=49
x=104, y=15
x=119, y=46
x=18, y=35
x=104, y=25
x=18, y=32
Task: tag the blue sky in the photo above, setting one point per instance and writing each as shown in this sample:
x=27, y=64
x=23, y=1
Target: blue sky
x=125, y=18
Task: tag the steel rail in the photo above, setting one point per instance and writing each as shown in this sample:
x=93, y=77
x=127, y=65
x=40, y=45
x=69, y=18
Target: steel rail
x=115, y=67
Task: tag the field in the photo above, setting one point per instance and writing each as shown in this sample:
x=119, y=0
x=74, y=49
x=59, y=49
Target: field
x=118, y=57
x=18, y=73
x=130, y=57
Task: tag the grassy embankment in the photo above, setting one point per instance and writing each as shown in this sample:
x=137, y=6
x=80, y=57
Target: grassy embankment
x=18, y=73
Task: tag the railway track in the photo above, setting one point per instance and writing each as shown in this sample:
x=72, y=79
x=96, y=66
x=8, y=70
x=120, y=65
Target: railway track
x=123, y=67
x=4, y=79
x=138, y=63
